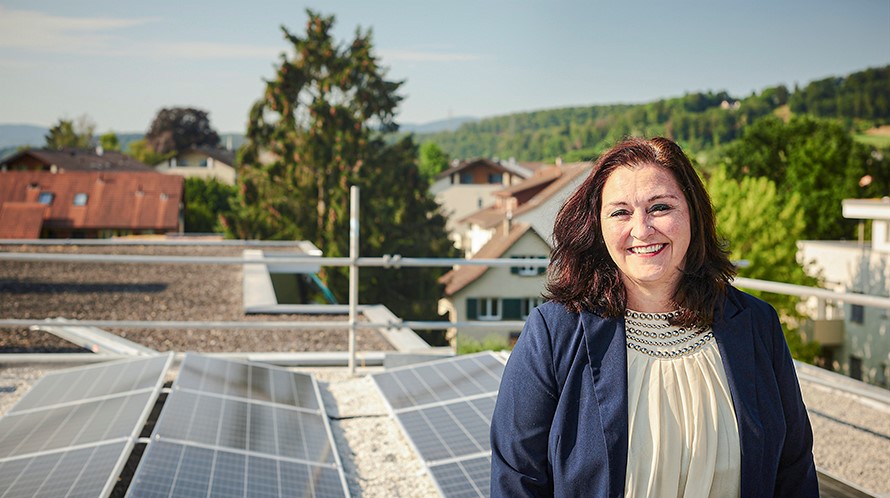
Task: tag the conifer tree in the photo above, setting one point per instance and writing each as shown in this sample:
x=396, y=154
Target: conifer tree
x=316, y=131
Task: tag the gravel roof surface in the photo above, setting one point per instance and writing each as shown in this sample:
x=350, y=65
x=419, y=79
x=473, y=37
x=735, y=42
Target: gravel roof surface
x=134, y=291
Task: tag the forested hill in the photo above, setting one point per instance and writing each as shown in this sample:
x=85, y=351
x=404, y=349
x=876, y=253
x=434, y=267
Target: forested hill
x=699, y=121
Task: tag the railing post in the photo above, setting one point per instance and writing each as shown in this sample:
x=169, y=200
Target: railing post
x=353, y=273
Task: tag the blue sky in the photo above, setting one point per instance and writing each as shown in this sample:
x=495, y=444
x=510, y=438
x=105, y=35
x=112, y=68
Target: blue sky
x=120, y=61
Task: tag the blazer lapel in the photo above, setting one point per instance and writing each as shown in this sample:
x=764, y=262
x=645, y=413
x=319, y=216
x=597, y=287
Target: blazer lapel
x=608, y=365
x=736, y=343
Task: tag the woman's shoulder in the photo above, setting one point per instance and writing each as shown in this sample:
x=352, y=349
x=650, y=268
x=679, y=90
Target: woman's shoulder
x=743, y=301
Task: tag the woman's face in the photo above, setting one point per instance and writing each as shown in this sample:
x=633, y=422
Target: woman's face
x=645, y=223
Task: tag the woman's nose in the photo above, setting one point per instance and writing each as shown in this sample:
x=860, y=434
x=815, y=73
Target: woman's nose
x=642, y=228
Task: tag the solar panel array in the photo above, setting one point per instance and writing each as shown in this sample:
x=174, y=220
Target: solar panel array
x=230, y=428
x=71, y=433
x=445, y=407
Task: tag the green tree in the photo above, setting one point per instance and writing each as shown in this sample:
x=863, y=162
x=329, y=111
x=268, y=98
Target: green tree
x=178, y=128
x=109, y=141
x=432, y=160
x=762, y=227
x=71, y=134
x=206, y=201
x=316, y=131
x=814, y=158
x=142, y=152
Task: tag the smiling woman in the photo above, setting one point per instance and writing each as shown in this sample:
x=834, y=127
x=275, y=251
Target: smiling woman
x=647, y=374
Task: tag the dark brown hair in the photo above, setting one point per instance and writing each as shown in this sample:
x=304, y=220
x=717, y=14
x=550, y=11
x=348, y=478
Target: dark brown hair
x=582, y=275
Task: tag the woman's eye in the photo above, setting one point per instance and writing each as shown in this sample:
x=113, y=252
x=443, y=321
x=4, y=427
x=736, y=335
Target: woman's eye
x=619, y=212
x=659, y=207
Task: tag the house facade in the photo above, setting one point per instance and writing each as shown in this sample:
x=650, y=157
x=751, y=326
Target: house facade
x=534, y=201
x=202, y=162
x=496, y=293
x=467, y=186
x=855, y=339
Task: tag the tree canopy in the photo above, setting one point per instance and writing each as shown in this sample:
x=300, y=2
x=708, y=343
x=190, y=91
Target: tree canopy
x=814, y=158
x=70, y=134
x=317, y=130
x=178, y=128
x=762, y=227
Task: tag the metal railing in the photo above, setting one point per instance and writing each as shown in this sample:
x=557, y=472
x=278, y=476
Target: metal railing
x=354, y=262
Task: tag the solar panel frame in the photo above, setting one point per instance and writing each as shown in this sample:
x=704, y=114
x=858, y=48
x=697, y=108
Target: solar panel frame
x=100, y=448
x=455, y=474
x=229, y=393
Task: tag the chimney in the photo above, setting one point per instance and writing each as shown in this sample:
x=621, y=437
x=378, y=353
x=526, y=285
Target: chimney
x=508, y=222
x=33, y=192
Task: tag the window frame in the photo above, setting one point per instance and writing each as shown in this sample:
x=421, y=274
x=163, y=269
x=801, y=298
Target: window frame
x=489, y=308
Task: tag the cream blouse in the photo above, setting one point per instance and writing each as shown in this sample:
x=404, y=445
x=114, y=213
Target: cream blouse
x=683, y=439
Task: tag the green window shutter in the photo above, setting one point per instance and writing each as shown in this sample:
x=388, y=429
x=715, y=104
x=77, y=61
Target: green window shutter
x=542, y=269
x=512, y=309
x=472, y=308
x=514, y=269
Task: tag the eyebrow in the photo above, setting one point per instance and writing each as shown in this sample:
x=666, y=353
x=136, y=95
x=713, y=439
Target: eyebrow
x=651, y=199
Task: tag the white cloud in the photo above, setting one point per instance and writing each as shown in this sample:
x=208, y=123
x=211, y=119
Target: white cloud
x=421, y=56
x=37, y=31
x=26, y=30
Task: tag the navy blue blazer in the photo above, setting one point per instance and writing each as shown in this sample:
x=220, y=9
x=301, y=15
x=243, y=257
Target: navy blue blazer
x=559, y=427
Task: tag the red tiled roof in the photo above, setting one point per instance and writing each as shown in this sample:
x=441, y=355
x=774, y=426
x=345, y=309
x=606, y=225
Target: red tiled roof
x=115, y=200
x=472, y=163
x=21, y=220
x=459, y=278
x=78, y=160
x=491, y=216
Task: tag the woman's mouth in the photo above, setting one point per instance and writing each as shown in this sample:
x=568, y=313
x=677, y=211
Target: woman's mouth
x=646, y=250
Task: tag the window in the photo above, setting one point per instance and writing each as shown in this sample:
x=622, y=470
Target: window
x=495, y=178
x=46, y=198
x=80, y=199
x=528, y=304
x=489, y=308
x=856, y=367
x=528, y=271
x=466, y=178
x=857, y=311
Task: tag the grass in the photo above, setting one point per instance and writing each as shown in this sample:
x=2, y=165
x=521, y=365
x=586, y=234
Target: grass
x=468, y=345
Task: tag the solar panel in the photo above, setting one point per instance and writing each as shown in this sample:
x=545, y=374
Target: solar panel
x=445, y=408
x=71, y=433
x=230, y=428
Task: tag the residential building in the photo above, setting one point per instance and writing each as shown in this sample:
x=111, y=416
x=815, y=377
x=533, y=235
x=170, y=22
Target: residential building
x=69, y=160
x=467, y=187
x=534, y=201
x=202, y=162
x=86, y=204
x=497, y=293
x=855, y=339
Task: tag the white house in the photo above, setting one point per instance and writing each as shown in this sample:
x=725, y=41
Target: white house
x=467, y=186
x=534, y=201
x=202, y=162
x=860, y=347
x=497, y=293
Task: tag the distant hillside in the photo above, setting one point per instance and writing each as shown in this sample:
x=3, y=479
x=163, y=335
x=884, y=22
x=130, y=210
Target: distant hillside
x=701, y=122
x=15, y=135
x=449, y=124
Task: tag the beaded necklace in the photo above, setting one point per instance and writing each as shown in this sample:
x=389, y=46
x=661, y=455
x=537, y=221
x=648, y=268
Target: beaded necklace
x=653, y=335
